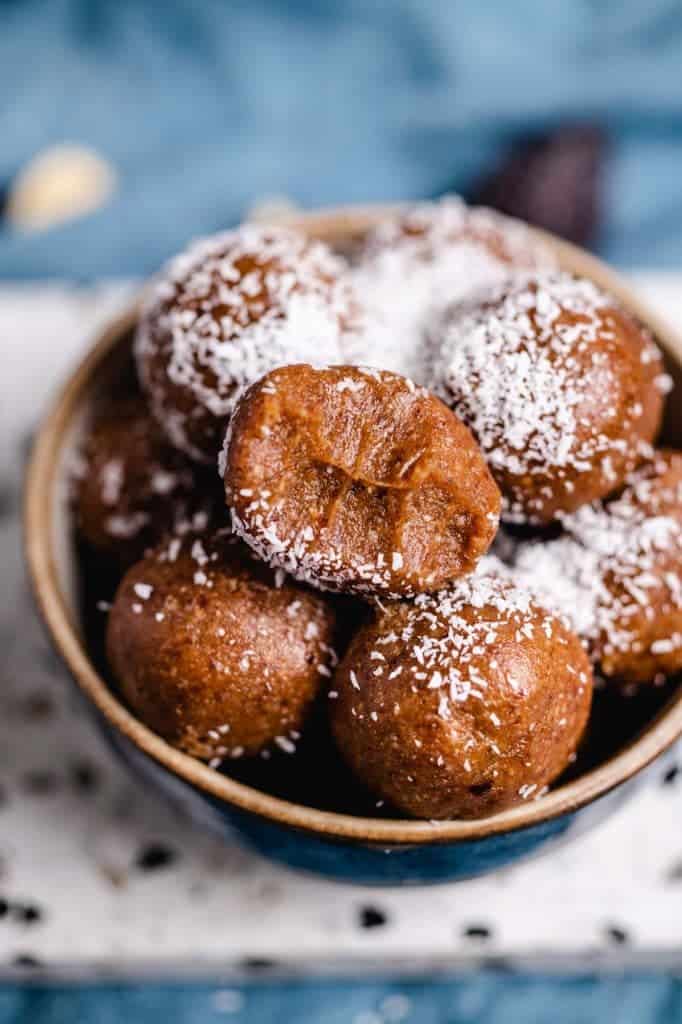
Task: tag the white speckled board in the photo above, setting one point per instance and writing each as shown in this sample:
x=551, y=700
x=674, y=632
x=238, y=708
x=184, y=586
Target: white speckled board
x=75, y=830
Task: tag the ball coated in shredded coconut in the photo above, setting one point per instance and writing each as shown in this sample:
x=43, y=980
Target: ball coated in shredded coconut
x=429, y=255
x=616, y=575
x=131, y=487
x=223, y=313
x=562, y=388
x=462, y=703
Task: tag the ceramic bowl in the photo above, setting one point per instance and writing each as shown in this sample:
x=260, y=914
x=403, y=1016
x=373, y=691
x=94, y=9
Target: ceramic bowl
x=363, y=849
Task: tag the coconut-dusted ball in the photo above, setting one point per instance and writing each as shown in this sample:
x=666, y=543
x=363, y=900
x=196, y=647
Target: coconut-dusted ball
x=355, y=479
x=212, y=654
x=131, y=487
x=562, y=388
x=226, y=311
x=463, y=703
x=655, y=487
x=616, y=575
x=423, y=258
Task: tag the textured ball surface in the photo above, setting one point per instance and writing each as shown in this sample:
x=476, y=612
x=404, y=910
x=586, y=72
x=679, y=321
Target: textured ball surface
x=355, y=479
x=562, y=388
x=462, y=703
x=424, y=258
x=211, y=654
x=226, y=311
x=131, y=487
x=616, y=575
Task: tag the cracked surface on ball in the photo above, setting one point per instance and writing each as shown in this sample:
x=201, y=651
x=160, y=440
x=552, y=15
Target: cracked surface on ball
x=355, y=479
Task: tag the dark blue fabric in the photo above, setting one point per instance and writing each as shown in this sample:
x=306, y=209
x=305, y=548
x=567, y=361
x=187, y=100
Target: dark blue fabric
x=487, y=997
x=204, y=107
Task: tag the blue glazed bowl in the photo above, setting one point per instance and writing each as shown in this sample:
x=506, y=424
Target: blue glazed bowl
x=346, y=847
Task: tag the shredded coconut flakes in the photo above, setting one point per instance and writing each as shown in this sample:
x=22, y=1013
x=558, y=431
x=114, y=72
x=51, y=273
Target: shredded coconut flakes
x=513, y=368
x=220, y=328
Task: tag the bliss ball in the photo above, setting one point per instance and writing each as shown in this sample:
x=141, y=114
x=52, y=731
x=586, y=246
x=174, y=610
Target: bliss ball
x=357, y=480
x=616, y=575
x=562, y=388
x=462, y=703
x=427, y=256
x=225, y=312
x=212, y=654
x=655, y=487
x=131, y=487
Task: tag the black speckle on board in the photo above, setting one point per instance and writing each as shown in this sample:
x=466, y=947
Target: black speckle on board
x=257, y=963
x=23, y=913
x=26, y=960
x=26, y=913
x=616, y=934
x=477, y=931
x=372, y=917
x=155, y=856
x=671, y=775
x=39, y=706
x=84, y=776
x=674, y=873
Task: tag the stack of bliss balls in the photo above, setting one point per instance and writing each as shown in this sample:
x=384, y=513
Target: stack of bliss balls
x=303, y=506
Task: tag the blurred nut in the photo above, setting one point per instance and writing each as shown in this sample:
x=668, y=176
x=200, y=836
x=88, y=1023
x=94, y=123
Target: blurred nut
x=57, y=185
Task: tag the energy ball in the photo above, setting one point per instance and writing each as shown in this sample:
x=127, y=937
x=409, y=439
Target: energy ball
x=211, y=654
x=226, y=311
x=354, y=479
x=562, y=388
x=616, y=575
x=131, y=487
x=422, y=259
x=462, y=703
x=655, y=488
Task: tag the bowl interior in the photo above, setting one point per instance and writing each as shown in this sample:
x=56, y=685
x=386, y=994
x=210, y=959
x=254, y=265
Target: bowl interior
x=311, y=789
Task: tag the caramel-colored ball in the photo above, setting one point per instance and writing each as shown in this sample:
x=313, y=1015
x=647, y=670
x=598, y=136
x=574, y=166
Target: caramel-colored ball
x=562, y=388
x=225, y=312
x=463, y=703
x=212, y=654
x=357, y=480
x=132, y=487
x=616, y=575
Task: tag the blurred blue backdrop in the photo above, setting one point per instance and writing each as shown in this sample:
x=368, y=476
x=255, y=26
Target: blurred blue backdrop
x=204, y=107
x=483, y=997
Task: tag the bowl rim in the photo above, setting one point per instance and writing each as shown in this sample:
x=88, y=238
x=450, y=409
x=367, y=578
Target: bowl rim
x=41, y=492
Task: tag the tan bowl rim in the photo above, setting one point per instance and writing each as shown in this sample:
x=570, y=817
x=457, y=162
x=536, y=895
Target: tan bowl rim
x=42, y=481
